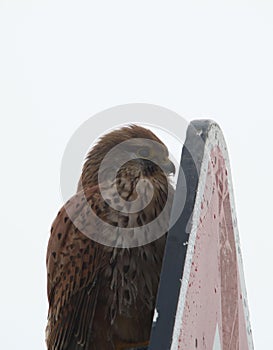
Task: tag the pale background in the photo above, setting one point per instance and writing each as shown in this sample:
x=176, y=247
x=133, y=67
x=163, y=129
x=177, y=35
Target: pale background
x=62, y=61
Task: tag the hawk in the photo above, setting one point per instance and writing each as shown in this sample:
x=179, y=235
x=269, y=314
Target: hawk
x=102, y=296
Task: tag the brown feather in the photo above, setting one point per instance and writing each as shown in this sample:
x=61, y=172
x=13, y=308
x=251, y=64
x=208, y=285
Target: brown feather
x=101, y=297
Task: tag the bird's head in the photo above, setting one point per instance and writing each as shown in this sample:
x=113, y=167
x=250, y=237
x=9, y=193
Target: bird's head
x=131, y=149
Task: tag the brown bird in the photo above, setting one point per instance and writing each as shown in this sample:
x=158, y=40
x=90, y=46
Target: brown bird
x=102, y=296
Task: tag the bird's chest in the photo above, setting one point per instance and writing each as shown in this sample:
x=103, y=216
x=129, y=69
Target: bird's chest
x=130, y=281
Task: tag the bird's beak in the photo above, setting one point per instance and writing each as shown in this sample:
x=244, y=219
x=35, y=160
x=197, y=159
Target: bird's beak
x=168, y=167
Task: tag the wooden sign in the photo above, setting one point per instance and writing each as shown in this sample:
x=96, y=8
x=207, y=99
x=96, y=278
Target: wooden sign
x=202, y=301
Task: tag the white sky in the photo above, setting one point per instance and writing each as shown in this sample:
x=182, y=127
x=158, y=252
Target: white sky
x=63, y=61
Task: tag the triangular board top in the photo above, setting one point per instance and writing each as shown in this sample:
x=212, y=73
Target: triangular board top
x=202, y=301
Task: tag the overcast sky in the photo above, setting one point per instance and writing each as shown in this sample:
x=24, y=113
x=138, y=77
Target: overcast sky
x=63, y=61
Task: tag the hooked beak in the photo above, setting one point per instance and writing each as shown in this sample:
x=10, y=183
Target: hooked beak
x=168, y=167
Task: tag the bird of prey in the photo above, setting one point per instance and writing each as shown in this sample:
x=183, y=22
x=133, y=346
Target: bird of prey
x=102, y=296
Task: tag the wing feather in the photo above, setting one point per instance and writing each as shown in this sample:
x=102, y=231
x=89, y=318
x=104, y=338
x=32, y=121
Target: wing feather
x=73, y=265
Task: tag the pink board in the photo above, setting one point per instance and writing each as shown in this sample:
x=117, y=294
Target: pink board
x=202, y=279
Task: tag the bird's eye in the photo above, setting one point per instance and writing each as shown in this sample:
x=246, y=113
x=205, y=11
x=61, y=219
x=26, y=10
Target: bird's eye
x=143, y=152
